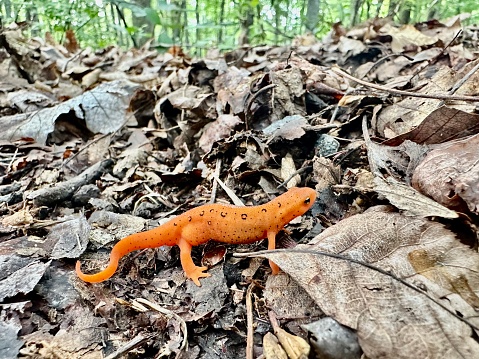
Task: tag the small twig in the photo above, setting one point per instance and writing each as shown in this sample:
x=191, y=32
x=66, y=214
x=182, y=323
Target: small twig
x=237, y=201
x=9, y=167
x=69, y=159
x=151, y=195
x=463, y=80
x=217, y=173
x=274, y=321
x=249, y=322
x=361, y=263
x=405, y=93
x=297, y=172
x=132, y=344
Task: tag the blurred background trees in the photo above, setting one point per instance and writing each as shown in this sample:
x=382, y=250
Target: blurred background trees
x=222, y=24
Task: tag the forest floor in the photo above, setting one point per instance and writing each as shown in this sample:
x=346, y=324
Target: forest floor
x=380, y=120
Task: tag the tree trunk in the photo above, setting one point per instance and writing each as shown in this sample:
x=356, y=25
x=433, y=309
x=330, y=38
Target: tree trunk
x=312, y=15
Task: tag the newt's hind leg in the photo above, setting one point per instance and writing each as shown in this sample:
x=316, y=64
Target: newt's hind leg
x=191, y=270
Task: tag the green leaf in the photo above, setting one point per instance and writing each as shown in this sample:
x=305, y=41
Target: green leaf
x=164, y=39
x=152, y=16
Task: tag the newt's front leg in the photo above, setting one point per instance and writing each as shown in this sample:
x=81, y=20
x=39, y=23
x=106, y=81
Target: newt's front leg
x=191, y=270
x=272, y=245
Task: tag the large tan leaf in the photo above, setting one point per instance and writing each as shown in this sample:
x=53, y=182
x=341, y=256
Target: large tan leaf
x=393, y=320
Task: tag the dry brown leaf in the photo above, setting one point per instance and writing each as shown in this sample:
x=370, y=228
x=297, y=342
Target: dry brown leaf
x=350, y=47
x=391, y=319
x=436, y=266
x=409, y=200
x=104, y=110
x=406, y=37
x=16, y=280
x=450, y=174
x=407, y=114
x=441, y=125
x=217, y=130
x=326, y=173
x=288, y=300
x=233, y=88
x=398, y=162
x=68, y=239
x=289, y=87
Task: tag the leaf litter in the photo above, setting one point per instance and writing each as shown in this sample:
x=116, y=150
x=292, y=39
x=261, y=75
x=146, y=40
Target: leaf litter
x=97, y=145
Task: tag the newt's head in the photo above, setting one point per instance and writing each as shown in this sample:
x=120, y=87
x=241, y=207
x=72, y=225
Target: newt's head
x=295, y=202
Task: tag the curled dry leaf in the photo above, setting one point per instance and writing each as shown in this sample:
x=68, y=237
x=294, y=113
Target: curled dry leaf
x=19, y=218
x=450, y=174
x=296, y=347
x=272, y=349
x=288, y=170
x=391, y=319
x=398, y=162
x=410, y=112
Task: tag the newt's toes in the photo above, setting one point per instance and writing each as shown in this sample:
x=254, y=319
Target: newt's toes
x=198, y=273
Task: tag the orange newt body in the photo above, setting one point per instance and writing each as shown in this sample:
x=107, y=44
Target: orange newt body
x=221, y=223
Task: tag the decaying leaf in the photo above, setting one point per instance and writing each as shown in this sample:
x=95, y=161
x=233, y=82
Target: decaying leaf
x=441, y=125
x=409, y=200
x=289, y=128
x=398, y=162
x=20, y=280
x=391, y=319
x=104, y=110
x=288, y=171
x=68, y=239
x=217, y=130
x=450, y=174
x=406, y=36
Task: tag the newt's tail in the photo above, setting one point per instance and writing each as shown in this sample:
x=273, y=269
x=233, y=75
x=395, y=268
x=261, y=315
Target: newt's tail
x=100, y=276
x=148, y=239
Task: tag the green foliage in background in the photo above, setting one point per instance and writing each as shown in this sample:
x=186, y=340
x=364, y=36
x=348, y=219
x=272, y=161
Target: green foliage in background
x=222, y=24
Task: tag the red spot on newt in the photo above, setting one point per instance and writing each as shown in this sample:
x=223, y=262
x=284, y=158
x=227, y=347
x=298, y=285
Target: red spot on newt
x=194, y=227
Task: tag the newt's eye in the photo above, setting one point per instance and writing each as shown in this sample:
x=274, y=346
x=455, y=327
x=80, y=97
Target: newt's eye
x=307, y=200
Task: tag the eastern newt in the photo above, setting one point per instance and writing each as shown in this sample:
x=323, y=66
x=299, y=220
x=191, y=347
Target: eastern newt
x=218, y=222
